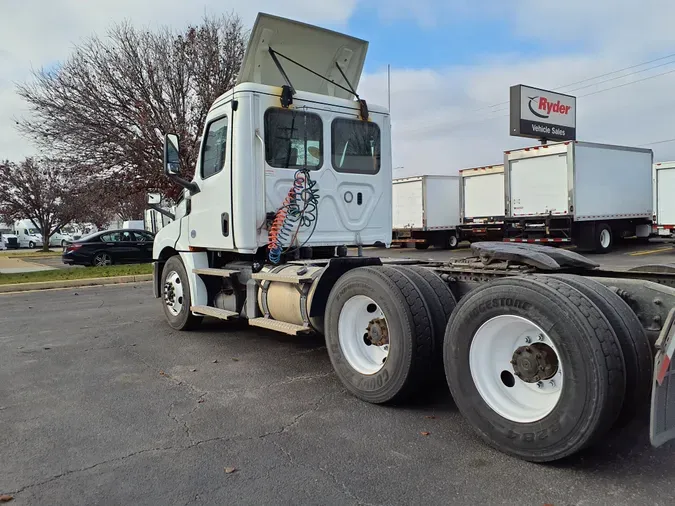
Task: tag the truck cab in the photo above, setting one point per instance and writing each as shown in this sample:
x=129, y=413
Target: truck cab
x=28, y=236
x=289, y=159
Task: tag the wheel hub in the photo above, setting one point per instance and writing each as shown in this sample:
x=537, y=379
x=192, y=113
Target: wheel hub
x=378, y=334
x=534, y=363
x=173, y=293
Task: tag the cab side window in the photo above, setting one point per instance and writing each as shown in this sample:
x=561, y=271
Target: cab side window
x=214, y=147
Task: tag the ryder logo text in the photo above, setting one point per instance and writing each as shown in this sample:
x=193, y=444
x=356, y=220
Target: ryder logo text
x=542, y=108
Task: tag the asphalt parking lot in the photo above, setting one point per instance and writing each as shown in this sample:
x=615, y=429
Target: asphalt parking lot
x=102, y=403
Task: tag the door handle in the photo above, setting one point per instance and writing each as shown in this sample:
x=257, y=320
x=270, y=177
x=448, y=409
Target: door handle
x=225, y=222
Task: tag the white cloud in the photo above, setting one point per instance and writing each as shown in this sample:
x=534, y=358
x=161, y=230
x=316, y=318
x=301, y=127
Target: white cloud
x=436, y=126
x=36, y=33
x=441, y=117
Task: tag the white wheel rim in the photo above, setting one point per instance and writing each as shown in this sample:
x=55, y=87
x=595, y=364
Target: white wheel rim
x=357, y=315
x=605, y=238
x=173, y=293
x=453, y=241
x=102, y=260
x=492, y=349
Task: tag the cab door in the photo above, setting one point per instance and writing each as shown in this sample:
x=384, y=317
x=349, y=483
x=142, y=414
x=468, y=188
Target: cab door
x=210, y=218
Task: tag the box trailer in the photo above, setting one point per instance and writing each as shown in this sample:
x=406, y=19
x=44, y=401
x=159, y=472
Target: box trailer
x=425, y=211
x=482, y=203
x=578, y=192
x=664, y=203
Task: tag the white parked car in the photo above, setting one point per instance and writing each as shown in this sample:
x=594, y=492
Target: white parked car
x=60, y=239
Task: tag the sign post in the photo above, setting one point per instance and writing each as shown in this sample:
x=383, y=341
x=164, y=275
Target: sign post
x=542, y=114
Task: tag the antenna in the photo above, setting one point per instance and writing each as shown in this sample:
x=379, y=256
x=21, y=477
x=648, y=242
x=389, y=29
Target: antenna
x=389, y=87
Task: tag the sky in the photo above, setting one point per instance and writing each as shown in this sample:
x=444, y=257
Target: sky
x=452, y=63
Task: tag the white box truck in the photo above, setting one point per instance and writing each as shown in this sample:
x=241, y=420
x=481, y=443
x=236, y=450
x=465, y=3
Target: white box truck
x=578, y=192
x=526, y=362
x=482, y=203
x=425, y=211
x=664, y=198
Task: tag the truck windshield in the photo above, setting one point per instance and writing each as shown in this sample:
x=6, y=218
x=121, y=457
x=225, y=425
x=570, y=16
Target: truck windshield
x=293, y=139
x=33, y=231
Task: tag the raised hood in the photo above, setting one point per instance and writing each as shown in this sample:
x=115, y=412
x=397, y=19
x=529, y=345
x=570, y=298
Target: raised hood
x=315, y=48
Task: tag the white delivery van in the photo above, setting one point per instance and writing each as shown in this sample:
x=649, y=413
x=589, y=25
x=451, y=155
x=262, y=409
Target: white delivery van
x=425, y=211
x=578, y=192
x=133, y=224
x=482, y=203
x=664, y=201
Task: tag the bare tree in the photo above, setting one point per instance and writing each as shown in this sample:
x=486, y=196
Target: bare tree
x=42, y=191
x=106, y=108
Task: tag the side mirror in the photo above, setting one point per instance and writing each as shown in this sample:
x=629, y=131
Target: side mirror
x=154, y=198
x=171, y=160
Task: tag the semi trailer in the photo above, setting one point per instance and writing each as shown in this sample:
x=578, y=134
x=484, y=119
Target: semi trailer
x=482, y=203
x=582, y=193
x=664, y=203
x=543, y=352
x=426, y=211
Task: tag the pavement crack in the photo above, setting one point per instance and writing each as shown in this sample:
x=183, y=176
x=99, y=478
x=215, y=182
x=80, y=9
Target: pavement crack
x=88, y=468
x=298, y=417
x=344, y=489
x=294, y=379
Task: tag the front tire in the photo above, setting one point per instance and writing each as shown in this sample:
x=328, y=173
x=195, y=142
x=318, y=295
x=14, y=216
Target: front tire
x=534, y=367
x=176, y=296
x=378, y=334
x=31, y=245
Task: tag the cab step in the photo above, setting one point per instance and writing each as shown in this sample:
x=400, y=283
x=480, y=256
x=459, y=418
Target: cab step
x=282, y=278
x=223, y=314
x=279, y=326
x=210, y=271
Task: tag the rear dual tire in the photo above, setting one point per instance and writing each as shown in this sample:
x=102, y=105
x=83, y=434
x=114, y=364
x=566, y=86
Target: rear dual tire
x=588, y=352
x=400, y=311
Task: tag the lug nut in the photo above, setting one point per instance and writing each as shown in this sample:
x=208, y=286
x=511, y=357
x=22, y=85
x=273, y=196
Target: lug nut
x=552, y=383
x=541, y=337
x=540, y=384
x=519, y=351
x=528, y=349
x=528, y=339
x=541, y=367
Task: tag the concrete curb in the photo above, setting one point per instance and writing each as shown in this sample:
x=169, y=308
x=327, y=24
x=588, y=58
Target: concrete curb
x=72, y=283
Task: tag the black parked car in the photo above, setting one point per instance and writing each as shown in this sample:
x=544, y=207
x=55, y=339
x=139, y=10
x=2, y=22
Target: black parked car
x=110, y=247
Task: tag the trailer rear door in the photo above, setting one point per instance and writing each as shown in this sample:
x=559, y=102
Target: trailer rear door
x=484, y=196
x=665, y=192
x=538, y=185
x=408, y=203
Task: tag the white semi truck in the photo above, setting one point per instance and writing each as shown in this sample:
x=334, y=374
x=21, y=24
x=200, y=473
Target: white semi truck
x=578, y=192
x=426, y=211
x=482, y=203
x=664, y=198
x=540, y=361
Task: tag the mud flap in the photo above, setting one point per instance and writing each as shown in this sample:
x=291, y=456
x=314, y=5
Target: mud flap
x=662, y=423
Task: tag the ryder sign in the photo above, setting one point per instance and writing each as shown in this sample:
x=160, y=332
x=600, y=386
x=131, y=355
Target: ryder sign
x=542, y=114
